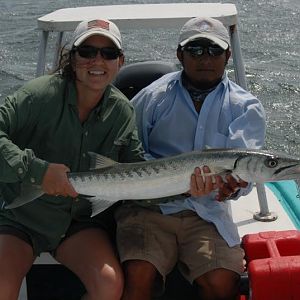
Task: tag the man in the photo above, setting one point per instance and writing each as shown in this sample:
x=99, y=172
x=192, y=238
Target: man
x=192, y=109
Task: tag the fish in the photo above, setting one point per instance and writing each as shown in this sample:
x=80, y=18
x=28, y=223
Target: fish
x=109, y=181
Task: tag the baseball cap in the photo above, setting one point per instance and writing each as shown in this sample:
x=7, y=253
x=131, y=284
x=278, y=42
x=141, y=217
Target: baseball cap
x=101, y=27
x=204, y=27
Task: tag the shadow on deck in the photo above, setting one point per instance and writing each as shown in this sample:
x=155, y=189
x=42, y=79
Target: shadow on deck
x=55, y=282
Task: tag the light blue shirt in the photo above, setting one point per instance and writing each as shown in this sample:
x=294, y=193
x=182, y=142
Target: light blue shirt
x=169, y=124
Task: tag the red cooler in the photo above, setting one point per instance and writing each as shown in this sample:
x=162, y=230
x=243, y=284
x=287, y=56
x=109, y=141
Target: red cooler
x=273, y=262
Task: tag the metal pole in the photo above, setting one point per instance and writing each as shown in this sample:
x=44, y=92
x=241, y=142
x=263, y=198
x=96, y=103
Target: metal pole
x=240, y=76
x=40, y=69
x=57, y=51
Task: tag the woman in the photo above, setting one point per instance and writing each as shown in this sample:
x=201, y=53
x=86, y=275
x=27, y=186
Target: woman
x=47, y=128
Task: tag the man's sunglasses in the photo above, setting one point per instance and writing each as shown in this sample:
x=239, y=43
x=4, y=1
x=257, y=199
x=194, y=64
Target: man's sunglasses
x=198, y=50
x=90, y=52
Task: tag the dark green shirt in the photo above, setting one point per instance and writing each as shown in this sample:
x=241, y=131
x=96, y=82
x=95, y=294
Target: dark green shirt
x=39, y=124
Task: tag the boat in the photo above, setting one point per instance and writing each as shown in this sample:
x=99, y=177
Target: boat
x=268, y=219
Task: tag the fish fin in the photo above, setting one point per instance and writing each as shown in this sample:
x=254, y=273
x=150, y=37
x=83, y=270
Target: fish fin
x=99, y=204
x=99, y=161
x=29, y=192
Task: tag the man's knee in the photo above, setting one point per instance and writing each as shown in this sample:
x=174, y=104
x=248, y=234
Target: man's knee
x=220, y=284
x=139, y=271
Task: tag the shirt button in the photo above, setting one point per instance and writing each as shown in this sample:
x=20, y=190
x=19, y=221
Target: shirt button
x=86, y=133
x=148, y=201
x=76, y=199
x=20, y=171
x=32, y=180
x=83, y=155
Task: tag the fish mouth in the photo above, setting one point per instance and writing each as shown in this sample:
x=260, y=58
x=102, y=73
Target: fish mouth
x=288, y=172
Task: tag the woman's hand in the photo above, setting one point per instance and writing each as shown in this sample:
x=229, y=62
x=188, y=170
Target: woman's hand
x=56, y=182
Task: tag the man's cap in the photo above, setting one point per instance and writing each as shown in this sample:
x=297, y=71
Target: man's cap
x=103, y=27
x=204, y=27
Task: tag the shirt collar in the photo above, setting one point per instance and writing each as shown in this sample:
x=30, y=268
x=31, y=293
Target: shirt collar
x=71, y=96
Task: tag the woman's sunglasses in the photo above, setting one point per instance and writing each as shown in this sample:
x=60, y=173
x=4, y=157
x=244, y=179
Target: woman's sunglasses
x=198, y=50
x=90, y=52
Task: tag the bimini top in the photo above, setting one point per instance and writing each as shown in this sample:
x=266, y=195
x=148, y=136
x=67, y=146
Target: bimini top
x=138, y=15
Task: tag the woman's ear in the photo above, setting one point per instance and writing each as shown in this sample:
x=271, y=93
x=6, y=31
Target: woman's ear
x=121, y=60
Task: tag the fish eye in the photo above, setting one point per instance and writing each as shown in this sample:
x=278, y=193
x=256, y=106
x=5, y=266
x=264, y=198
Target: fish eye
x=271, y=162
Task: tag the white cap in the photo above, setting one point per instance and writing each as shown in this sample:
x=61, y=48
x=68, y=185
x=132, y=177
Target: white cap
x=103, y=27
x=204, y=27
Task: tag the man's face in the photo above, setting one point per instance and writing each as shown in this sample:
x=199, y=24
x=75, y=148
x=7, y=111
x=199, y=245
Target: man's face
x=203, y=62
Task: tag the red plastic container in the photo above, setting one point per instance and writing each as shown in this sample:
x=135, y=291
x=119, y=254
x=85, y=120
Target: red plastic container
x=273, y=260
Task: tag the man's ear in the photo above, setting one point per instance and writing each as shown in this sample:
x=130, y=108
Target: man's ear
x=227, y=56
x=180, y=55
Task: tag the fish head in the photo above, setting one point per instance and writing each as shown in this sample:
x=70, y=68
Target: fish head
x=263, y=166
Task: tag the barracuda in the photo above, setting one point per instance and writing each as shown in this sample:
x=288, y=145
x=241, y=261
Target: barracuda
x=109, y=181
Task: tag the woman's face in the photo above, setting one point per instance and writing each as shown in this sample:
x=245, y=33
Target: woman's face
x=95, y=73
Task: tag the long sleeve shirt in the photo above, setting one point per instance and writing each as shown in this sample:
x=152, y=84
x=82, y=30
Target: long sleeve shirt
x=169, y=124
x=39, y=124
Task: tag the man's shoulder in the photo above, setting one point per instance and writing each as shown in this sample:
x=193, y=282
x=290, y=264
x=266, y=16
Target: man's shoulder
x=163, y=83
x=239, y=95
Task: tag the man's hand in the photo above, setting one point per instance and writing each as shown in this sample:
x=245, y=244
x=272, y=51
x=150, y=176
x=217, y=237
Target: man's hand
x=229, y=187
x=56, y=183
x=202, y=184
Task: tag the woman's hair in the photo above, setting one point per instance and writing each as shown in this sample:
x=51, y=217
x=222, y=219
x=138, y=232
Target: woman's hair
x=65, y=62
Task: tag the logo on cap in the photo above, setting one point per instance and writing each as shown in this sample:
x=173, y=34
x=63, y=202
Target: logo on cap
x=98, y=24
x=204, y=26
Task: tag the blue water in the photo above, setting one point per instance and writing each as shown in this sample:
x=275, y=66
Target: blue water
x=270, y=41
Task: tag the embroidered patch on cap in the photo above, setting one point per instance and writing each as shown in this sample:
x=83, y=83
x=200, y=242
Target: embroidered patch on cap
x=204, y=26
x=98, y=24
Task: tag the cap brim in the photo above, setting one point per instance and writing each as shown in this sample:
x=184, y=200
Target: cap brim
x=214, y=39
x=86, y=35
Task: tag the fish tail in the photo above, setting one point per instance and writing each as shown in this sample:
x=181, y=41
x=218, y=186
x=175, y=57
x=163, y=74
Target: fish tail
x=28, y=193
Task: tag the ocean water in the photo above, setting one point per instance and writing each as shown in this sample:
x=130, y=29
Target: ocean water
x=270, y=41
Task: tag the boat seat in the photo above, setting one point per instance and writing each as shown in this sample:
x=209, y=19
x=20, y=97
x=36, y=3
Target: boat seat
x=134, y=77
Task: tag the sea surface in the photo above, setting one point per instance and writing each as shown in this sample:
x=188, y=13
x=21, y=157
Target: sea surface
x=270, y=41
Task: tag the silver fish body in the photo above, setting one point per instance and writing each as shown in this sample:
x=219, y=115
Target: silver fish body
x=171, y=176
x=110, y=181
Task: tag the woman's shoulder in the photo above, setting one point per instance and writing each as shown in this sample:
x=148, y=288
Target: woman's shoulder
x=44, y=87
